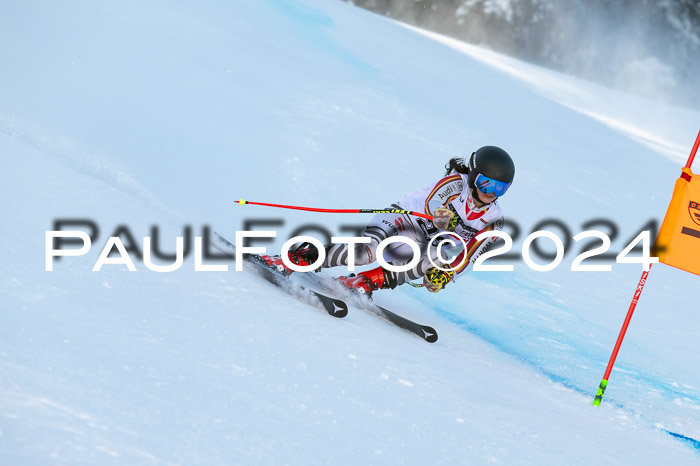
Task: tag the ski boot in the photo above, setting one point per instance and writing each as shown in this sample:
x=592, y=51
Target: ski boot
x=365, y=283
x=305, y=254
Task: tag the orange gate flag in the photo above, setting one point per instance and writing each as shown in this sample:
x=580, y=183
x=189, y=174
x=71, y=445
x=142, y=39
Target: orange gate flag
x=678, y=241
x=677, y=245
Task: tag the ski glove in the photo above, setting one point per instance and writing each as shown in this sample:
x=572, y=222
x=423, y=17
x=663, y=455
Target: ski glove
x=444, y=219
x=436, y=279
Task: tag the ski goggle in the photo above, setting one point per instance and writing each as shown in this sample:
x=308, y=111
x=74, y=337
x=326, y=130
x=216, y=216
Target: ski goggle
x=488, y=185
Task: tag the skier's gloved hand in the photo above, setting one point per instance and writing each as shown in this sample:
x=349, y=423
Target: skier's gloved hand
x=444, y=219
x=436, y=279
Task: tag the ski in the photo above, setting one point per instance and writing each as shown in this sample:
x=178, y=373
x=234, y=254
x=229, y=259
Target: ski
x=334, y=307
x=425, y=332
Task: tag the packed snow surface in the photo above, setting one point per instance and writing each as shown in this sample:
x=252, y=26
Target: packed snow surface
x=140, y=114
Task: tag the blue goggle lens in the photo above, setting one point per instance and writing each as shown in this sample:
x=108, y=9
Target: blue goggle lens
x=488, y=185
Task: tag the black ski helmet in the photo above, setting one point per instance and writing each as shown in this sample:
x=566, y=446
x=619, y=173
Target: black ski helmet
x=493, y=162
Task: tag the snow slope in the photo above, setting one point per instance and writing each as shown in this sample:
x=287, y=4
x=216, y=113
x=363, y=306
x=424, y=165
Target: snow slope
x=164, y=113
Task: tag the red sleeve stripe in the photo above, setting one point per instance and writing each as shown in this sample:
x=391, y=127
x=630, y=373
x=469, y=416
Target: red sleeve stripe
x=471, y=247
x=440, y=184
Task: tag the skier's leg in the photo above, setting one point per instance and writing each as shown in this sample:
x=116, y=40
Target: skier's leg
x=380, y=227
x=398, y=253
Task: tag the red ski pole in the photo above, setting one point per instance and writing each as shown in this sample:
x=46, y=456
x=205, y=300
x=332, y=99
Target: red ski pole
x=604, y=383
x=693, y=152
x=339, y=211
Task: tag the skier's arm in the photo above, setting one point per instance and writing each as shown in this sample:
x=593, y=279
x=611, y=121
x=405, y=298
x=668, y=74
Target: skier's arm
x=444, y=191
x=475, y=248
x=436, y=279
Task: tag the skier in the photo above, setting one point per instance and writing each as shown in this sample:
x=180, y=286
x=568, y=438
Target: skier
x=463, y=203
